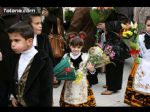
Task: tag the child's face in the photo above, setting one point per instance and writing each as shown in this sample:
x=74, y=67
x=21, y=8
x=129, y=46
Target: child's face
x=76, y=49
x=18, y=43
x=36, y=24
x=148, y=26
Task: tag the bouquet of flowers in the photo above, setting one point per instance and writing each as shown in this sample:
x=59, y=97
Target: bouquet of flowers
x=108, y=50
x=130, y=37
x=97, y=57
x=100, y=14
x=65, y=70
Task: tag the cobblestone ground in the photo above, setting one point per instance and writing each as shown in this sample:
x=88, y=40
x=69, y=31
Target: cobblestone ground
x=114, y=100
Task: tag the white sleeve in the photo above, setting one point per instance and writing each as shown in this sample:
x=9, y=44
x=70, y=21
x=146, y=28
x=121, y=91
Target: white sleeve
x=11, y=97
x=1, y=56
x=141, y=44
x=85, y=56
x=65, y=55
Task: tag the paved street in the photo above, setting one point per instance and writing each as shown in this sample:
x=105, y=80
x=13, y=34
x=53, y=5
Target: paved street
x=114, y=100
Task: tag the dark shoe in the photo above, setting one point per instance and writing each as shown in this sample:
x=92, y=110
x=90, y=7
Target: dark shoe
x=107, y=92
x=104, y=86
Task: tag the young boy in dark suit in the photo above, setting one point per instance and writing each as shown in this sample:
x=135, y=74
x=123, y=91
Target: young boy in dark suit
x=32, y=72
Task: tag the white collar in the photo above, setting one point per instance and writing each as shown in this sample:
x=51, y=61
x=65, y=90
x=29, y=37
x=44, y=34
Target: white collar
x=24, y=60
x=74, y=56
x=29, y=53
x=35, y=40
x=148, y=33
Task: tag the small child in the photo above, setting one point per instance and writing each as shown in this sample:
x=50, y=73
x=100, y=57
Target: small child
x=32, y=75
x=73, y=94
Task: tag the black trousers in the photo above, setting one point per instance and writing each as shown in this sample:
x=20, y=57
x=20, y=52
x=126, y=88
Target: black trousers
x=4, y=94
x=114, y=75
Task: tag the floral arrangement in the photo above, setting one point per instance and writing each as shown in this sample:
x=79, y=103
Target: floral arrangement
x=97, y=57
x=65, y=70
x=130, y=37
x=100, y=14
x=108, y=50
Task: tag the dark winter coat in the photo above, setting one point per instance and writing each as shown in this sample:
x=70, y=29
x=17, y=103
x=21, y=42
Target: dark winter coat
x=38, y=90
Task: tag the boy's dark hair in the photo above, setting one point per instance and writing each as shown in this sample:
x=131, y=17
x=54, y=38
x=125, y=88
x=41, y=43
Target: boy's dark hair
x=76, y=41
x=147, y=18
x=24, y=29
x=28, y=17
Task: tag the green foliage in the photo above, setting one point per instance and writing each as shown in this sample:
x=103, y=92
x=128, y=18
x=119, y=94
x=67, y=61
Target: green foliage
x=68, y=15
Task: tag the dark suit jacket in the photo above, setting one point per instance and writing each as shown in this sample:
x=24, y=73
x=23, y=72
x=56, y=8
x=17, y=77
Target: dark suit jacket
x=38, y=90
x=113, y=24
x=43, y=43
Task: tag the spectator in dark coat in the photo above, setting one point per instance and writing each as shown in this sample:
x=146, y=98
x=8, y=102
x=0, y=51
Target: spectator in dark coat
x=51, y=14
x=114, y=72
x=5, y=52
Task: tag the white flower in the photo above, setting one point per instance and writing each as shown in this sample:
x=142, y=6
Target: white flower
x=134, y=26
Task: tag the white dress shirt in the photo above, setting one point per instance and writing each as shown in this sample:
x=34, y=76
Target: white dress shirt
x=24, y=60
x=35, y=40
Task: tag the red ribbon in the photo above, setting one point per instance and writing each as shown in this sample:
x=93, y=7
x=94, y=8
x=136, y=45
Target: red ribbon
x=133, y=52
x=82, y=36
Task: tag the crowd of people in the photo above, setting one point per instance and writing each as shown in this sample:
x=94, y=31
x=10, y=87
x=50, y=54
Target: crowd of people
x=27, y=61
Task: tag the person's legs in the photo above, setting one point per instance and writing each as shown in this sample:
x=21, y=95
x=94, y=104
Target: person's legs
x=92, y=79
x=56, y=83
x=114, y=74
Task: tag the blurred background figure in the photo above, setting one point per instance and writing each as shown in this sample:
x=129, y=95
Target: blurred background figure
x=49, y=18
x=82, y=21
x=140, y=14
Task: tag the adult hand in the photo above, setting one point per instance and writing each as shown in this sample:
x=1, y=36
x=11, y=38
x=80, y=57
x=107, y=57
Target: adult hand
x=90, y=67
x=101, y=26
x=14, y=102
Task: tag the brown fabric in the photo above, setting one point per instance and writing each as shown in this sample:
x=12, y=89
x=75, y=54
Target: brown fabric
x=82, y=21
x=90, y=103
x=133, y=97
x=57, y=42
x=21, y=85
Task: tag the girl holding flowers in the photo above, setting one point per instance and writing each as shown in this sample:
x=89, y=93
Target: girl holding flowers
x=138, y=86
x=74, y=93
